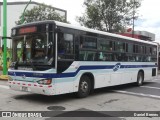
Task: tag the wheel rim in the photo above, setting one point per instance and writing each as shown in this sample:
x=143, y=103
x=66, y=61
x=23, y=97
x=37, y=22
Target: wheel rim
x=84, y=87
x=140, y=79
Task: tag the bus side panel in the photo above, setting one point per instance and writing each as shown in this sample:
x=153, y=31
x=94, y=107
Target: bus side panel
x=102, y=78
x=64, y=85
x=148, y=74
x=116, y=78
x=68, y=85
x=127, y=77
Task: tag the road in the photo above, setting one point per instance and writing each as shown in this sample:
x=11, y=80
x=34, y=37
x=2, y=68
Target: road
x=119, y=98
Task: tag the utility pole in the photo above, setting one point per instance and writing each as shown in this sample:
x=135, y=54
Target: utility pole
x=133, y=18
x=4, y=37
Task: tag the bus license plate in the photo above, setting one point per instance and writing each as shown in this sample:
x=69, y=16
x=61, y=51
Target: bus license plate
x=25, y=89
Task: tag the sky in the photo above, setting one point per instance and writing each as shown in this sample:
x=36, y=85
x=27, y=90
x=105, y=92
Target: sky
x=149, y=18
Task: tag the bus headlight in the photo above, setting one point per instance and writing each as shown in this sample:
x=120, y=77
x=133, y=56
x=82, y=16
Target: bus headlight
x=45, y=81
x=9, y=78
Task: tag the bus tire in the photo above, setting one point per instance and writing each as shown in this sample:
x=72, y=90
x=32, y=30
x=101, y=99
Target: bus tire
x=84, y=87
x=140, y=78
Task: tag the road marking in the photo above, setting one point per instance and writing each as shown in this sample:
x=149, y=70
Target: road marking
x=4, y=86
x=151, y=87
x=155, y=81
x=138, y=94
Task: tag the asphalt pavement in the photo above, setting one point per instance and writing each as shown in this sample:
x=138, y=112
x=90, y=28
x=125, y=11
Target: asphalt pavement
x=118, y=98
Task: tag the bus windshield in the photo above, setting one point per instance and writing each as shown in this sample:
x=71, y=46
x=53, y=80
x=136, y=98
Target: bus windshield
x=34, y=48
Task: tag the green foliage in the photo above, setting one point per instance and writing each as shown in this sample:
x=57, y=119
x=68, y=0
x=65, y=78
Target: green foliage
x=40, y=13
x=109, y=15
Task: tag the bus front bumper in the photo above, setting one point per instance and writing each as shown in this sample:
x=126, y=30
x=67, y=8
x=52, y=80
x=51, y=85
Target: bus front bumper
x=32, y=87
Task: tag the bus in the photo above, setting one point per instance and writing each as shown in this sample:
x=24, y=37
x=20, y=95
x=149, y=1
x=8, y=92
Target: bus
x=52, y=58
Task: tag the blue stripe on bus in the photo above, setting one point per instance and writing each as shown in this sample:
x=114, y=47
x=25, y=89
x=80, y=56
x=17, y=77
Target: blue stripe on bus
x=73, y=74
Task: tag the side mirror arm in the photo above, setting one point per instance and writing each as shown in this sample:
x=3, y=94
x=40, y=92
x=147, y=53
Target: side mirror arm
x=6, y=38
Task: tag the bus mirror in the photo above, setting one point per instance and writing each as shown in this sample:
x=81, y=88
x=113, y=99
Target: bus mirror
x=2, y=48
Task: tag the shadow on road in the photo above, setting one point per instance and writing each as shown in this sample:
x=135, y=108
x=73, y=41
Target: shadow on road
x=68, y=97
x=45, y=99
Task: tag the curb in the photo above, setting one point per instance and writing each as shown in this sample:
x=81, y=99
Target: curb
x=4, y=77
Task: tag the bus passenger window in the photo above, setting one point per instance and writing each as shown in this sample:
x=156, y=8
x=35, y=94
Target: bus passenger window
x=81, y=41
x=111, y=46
x=68, y=39
x=120, y=46
x=61, y=48
x=90, y=42
x=105, y=45
x=91, y=56
x=82, y=55
x=65, y=46
x=107, y=56
x=149, y=59
x=154, y=51
x=100, y=56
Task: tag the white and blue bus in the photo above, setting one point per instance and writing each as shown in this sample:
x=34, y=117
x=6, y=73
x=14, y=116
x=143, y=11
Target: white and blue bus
x=53, y=58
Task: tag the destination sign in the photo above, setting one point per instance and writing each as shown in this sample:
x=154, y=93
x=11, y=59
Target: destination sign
x=27, y=30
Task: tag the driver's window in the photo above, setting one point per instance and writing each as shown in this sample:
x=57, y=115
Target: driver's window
x=20, y=50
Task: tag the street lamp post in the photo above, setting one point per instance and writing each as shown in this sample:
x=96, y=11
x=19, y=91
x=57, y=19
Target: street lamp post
x=5, y=34
x=22, y=19
x=4, y=37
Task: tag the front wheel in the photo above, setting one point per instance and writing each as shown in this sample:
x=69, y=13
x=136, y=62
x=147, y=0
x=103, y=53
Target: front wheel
x=140, y=79
x=84, y=87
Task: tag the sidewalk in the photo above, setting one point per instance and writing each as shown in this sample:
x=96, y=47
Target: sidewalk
x=3, y=77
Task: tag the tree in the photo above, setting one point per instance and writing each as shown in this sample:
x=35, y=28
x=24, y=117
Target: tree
x=109, y=15
x=40, y=13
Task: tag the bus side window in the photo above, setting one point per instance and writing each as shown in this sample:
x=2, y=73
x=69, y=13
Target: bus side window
x=101, y=56
x=68, y=39
x=82, y=55
x=65, y=46
x=107, y=56
x=81, y=41
x=61, y=48
x=90, y=56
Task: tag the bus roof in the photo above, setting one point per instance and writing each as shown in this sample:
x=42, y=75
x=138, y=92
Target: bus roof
x=87, y=30
x=102, y=32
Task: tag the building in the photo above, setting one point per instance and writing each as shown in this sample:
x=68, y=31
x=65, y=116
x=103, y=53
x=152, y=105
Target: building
x=14, y=11
x=142, y=35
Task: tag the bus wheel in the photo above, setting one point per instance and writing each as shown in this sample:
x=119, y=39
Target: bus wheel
x=140, y=78
x=84, y=87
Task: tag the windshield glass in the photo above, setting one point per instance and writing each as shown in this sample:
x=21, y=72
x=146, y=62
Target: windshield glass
x=34, y=48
